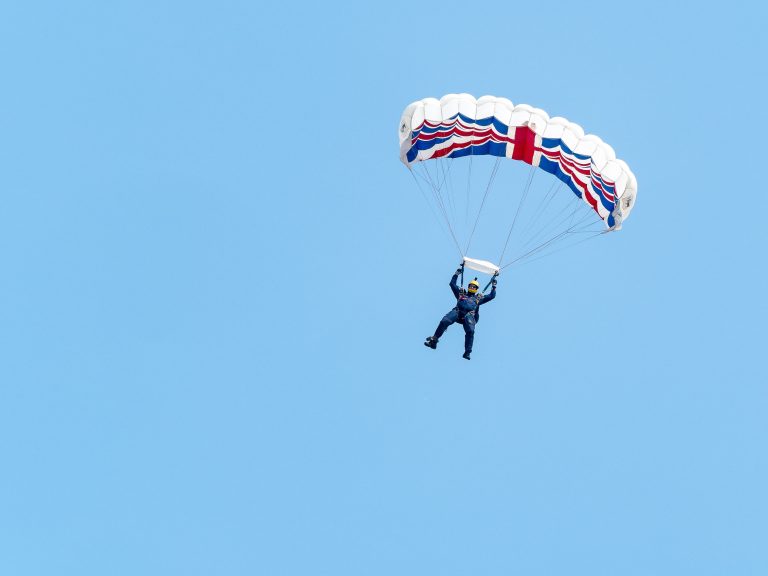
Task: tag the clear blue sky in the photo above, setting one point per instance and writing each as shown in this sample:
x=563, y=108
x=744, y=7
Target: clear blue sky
x=217, y=275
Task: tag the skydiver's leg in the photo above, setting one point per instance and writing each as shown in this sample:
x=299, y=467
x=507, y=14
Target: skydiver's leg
x=447, y=320
x=469, y=334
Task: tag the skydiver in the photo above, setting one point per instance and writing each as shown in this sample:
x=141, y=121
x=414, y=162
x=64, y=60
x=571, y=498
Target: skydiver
x=466, y=312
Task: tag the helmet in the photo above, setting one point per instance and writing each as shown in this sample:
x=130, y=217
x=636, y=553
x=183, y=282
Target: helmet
x=473, y=286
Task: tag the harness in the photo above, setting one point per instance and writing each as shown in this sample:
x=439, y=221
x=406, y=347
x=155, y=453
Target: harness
x=474, y=313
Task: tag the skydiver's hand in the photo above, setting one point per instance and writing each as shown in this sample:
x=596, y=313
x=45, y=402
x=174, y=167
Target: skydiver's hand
x=459, y=270
x=493, y=283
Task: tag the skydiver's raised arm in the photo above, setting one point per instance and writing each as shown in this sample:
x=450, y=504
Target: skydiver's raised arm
x=453, y=285
x=490, y=296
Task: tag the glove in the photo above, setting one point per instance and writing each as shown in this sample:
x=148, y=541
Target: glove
x=494, y=282
x=459, y=270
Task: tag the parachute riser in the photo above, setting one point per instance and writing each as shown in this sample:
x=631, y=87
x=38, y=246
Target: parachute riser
x=490, y=282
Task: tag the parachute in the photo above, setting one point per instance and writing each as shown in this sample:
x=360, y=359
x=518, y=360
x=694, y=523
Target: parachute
x=592, y=191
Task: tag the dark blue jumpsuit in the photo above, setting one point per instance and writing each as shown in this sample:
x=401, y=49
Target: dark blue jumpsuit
x=467, y=312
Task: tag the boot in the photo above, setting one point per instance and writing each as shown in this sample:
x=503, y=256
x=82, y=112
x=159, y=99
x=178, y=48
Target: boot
x=431, y=342
x=466, y=355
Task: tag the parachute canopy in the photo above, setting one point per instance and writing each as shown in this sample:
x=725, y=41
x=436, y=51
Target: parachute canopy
x=459, y=125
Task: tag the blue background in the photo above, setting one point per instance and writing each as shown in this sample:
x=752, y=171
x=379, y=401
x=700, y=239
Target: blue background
x=216, y=277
